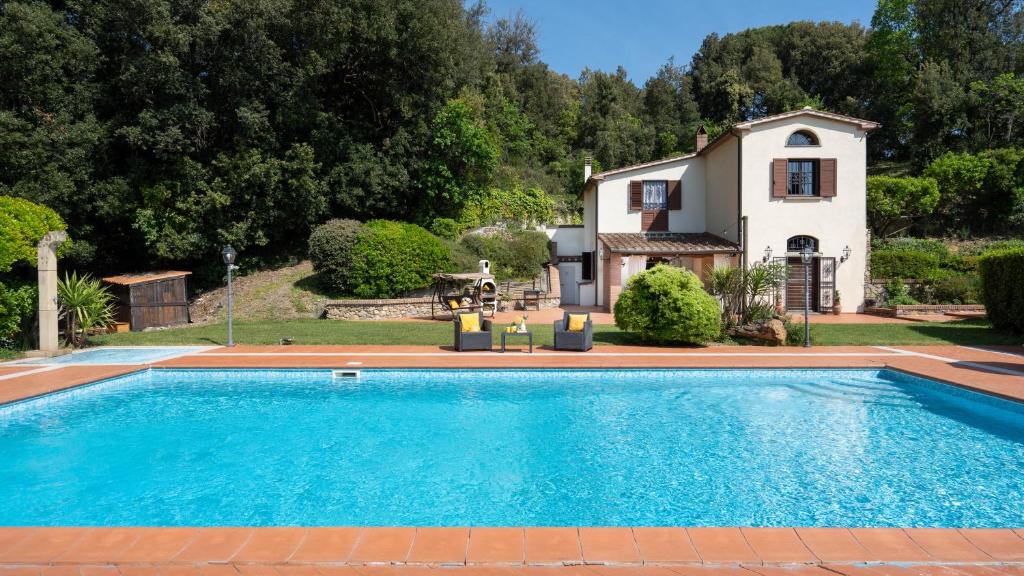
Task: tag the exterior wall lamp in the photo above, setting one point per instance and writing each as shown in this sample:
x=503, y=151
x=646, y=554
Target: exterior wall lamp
x=767, y=254
x=846, y=254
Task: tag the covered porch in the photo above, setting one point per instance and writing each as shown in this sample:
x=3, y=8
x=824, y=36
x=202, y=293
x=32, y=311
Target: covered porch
x=627, y=254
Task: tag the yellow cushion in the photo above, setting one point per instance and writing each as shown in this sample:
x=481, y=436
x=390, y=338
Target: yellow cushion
x=577, y=322
x=453, y=304
x=470, y=322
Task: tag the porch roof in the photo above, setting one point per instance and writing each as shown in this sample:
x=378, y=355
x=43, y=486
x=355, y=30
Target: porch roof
x=667, y=243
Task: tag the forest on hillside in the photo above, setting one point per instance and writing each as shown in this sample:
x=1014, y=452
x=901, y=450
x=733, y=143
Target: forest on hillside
x=160, y=130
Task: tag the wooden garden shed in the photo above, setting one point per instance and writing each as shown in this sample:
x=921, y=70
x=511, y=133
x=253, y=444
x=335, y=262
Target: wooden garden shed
x=151, y=299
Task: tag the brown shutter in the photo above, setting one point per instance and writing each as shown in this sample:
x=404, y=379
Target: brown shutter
x=780, y=178
x=827, y=182
x=675, y=195
x=636, y=195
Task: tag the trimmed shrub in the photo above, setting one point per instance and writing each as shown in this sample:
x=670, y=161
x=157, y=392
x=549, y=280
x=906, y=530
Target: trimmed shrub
x=898, y=294
x=1002, y=288
x=392, y=258
x=514, y=255
x=330, y=249
x=888, y=264
x=668, y=304
x=22, y=225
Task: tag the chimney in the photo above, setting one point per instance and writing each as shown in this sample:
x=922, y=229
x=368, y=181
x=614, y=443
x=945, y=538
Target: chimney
x=702, y=138
x=587, y=169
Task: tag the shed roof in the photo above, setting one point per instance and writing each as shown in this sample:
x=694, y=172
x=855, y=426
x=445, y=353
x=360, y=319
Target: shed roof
x=668, y=243
x=141, y=277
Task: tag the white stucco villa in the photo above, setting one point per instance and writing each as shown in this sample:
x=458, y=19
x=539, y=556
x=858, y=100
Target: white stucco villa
x=761, y=191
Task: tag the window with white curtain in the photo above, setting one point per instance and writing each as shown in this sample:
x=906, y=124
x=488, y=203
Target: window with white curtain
x=655, y=195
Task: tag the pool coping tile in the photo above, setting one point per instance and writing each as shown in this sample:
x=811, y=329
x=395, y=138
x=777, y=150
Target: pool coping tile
x=44, y=545
x=99, y=544
x=722, y=546
x=496, y=546
x=778, y=546
x=553, y=546
x=834, y=545
x=890, y=545
x=326, y=545
x=214, y=545
x=157, y=544
x=665, y=546
x=382, y=545
x=947, y=545
x=271, y=545
x=1004, y=545
x=445, y=546
x=604, y=545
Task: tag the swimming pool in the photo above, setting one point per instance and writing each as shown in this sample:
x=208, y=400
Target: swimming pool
x=119, y=355
x=525, y=447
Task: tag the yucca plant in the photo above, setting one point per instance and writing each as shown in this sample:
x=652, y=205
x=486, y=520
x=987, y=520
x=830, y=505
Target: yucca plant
x=84, y=304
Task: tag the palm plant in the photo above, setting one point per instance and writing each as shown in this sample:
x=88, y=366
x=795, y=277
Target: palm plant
x=748, y=294
x=84, y=304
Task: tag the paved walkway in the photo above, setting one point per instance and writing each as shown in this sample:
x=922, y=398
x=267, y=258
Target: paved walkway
x=528, y=551
x=597, y=316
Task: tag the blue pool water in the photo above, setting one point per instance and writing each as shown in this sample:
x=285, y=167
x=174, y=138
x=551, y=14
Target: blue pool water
x=528, y=447
x=126, y=355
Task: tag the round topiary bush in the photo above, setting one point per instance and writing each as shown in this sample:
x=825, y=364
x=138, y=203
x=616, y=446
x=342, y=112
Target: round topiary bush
x=330, y=250
x=668, y=304
x=392, y=258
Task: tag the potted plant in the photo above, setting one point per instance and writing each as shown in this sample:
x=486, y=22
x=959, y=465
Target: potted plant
x=837, y=305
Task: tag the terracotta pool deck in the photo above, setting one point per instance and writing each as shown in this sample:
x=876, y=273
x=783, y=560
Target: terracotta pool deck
x=569, y=551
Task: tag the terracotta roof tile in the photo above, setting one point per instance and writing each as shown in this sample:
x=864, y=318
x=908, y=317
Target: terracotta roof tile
x=668, y=243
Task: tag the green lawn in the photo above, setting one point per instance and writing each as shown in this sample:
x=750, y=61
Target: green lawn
x=309, y=331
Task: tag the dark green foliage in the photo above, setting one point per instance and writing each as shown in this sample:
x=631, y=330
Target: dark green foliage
x=514, y=254
x=392, y=258
x=1002, y=288
x=668, y=304
x=903, y=263
x=330, y=250
x=18, y=300
x=446, y=228
x=898, y=294
x=951, y=288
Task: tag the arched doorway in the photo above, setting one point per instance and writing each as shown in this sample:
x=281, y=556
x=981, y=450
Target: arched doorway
x=821, y=276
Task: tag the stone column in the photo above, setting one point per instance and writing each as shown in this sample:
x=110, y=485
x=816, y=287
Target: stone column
x=47, y=266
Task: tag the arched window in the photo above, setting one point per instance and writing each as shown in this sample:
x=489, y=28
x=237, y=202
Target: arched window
x=802, y=138
x=798, y=243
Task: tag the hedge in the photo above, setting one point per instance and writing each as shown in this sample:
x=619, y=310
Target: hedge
x=390, y=259
x=330, y=250
x=1002, y=288
x=514, y=255
x=916, y=264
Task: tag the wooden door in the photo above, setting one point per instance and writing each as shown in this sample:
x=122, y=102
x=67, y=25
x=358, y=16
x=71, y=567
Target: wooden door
x=795, y=285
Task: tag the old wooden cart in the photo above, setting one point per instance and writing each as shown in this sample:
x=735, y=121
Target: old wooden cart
x=151, y=299
x=463, y=292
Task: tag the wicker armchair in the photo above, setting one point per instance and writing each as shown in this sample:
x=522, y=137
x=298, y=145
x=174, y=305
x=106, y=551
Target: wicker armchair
x=481, y=340
x=579, y=341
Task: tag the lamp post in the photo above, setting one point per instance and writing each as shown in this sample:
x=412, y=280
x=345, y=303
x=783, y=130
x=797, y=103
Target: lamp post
x=228, y=254
x=805, y=256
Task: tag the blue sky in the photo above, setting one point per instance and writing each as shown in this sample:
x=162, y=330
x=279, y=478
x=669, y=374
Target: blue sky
x=642, y=34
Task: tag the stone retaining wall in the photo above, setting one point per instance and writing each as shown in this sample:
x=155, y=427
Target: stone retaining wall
x=394, y=308
x=922, y=309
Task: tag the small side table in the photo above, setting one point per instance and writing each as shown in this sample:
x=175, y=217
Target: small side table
x=529, y=336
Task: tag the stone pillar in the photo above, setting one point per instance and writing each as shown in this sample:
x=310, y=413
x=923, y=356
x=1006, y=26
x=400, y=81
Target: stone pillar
x=46, y=253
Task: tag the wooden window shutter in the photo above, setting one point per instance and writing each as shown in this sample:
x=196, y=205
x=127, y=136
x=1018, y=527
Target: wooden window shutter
x=675, y=195
x=780, y=178
x=636, y=195
x=827, y=179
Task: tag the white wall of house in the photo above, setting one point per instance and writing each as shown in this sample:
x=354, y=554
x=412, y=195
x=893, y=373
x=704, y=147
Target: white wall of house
x=569, y=240
x=721, y=179
x=615, y=215
x=836, y=222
